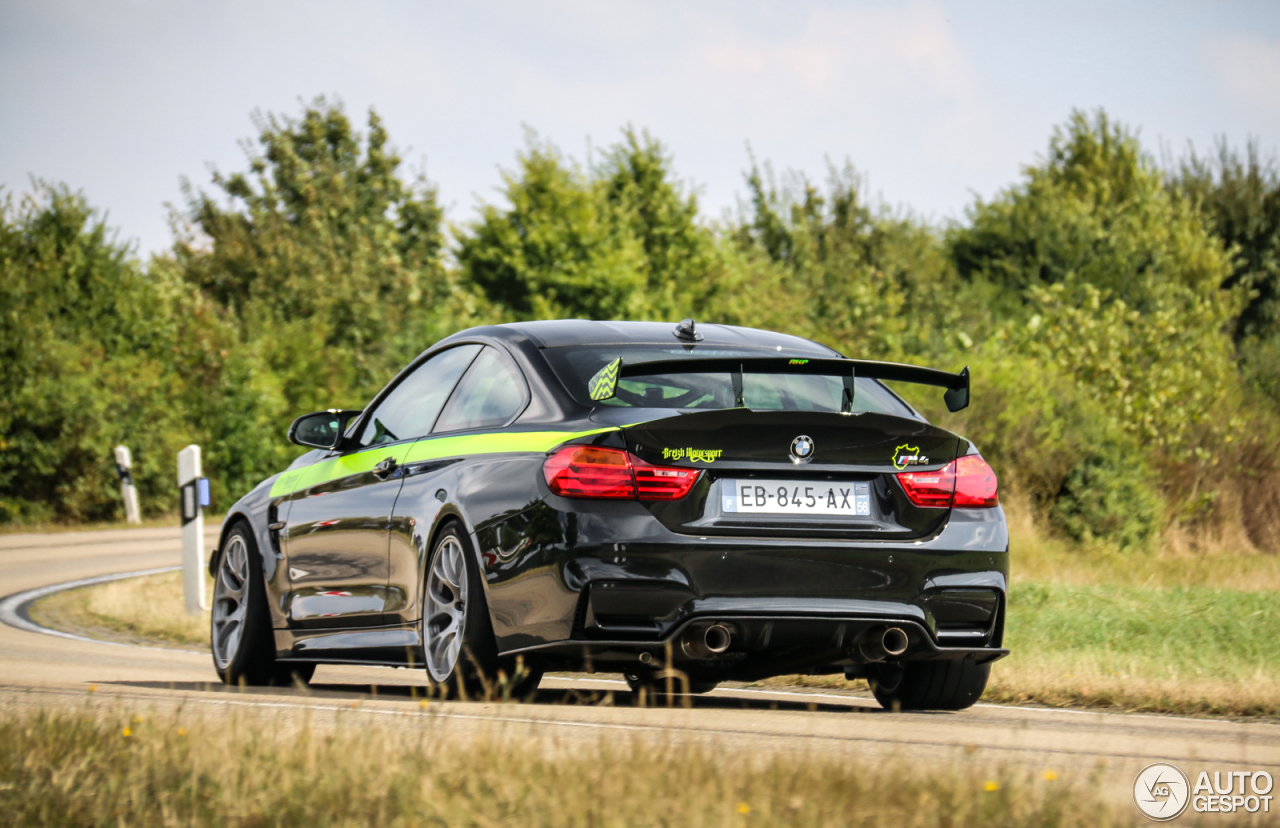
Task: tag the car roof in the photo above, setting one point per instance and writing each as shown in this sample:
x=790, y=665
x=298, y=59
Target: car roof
x=556, y=333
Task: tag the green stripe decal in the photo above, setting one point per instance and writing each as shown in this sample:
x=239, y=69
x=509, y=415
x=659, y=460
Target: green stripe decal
x=334, y=468
x=426, y=448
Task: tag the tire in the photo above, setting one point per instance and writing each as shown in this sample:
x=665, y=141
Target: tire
x=460, y=652
x=929, y=685
x=242, y=642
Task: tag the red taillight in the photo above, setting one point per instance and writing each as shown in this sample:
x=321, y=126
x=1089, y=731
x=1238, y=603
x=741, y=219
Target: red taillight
x=663, y=482
x=966, y=482
x=975, y=483
x=592, y=471
x=588, y=471
x=930, y=488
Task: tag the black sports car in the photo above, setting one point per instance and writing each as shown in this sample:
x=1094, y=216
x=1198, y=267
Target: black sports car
x=705, y=502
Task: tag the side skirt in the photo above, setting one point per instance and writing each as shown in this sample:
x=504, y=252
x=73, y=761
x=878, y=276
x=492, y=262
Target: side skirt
x=397, y=646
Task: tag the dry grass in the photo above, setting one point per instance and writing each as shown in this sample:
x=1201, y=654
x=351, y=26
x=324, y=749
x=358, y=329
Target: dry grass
x=1103, y=681
x=89, y=769
x=148, y=610
x=1226, y=563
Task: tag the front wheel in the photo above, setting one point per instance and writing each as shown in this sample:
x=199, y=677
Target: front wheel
x=929, y=685
x=241, y=637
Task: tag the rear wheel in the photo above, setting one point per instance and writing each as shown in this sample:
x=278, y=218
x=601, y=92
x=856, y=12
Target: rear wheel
x=242, y=641
x=457, y=635
x=928, y=685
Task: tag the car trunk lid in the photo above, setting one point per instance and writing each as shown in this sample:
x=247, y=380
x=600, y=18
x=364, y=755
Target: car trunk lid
x=765, y=472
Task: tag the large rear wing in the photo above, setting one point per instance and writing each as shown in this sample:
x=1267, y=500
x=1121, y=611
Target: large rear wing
x=604, y=384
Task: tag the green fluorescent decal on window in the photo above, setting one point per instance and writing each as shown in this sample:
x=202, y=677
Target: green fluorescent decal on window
x=604, y=384
x=426, y=448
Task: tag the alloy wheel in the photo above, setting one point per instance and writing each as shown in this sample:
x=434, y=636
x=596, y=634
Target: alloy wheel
x=444, y=614
x=230, y=601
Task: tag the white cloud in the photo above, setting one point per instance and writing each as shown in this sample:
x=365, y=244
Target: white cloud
x=1246, y=67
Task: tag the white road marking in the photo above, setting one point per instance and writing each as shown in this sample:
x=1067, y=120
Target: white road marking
x=11, y=607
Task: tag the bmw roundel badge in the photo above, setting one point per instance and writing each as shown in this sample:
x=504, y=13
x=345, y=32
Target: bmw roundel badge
x=802, y=449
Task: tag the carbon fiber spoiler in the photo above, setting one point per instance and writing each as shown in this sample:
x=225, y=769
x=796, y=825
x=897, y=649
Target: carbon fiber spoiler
x=604, y=384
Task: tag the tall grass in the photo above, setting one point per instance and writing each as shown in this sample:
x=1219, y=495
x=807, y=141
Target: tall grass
x=100, y=769
x=1038, y=555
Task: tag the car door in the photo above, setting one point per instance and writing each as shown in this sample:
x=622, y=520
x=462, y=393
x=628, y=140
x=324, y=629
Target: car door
x=338, y=527
x=490, y=396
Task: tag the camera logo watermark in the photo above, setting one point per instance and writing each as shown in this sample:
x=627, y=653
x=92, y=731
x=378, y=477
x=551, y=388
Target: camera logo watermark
x=1162, y=792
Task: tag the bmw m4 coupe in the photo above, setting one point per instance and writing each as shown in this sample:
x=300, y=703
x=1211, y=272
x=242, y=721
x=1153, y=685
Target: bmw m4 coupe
x=706, y=502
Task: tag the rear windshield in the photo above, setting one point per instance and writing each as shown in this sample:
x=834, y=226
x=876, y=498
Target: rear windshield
x=575, y=365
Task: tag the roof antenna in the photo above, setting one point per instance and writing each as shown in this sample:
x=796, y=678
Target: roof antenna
x=685, y=331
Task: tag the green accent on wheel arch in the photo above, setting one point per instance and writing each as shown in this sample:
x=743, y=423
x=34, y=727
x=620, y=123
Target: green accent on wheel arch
x=426, y=448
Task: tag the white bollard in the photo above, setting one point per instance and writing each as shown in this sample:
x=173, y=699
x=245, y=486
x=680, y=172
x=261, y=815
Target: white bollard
x=194, y=491
x=128, y=491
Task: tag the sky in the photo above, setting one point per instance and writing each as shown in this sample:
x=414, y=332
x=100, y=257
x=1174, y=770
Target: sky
x=935, y=103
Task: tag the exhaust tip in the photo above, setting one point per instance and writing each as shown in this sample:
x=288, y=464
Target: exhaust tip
x=894, y=641
x=887, y=642
x=717, y=638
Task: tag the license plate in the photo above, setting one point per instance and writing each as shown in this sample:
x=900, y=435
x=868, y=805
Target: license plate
x=778, y=497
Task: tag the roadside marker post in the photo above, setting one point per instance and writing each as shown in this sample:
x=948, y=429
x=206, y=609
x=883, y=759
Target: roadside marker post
x=194, y=496
x=128, y=491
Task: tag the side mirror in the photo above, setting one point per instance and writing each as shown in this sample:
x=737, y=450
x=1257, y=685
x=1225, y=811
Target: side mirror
x=322, y=430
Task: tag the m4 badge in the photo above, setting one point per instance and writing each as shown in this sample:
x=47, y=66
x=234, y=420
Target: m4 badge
x=905, y=455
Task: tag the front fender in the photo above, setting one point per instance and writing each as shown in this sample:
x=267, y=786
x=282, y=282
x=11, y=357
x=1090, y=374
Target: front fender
x=258, y=509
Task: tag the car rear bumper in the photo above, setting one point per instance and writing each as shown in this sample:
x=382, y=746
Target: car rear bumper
x=760, y=646
x=589, y=597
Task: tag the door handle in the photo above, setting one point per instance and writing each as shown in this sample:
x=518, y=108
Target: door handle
x=385, y=468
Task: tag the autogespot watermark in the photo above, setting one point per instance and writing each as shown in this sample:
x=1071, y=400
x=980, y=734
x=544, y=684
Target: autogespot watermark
x=1162, y=792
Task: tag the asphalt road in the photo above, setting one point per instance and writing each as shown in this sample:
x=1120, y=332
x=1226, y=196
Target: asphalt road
x=38, y=669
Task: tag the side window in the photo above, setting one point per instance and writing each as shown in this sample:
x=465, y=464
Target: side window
x=411, y=407
x=492, y=392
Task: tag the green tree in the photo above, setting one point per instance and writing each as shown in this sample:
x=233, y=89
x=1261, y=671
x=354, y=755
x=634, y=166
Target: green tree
x=1096, y=211
x=328, y=267
x=837, y=268
x=324, y=252
x=86, y=363
x=615, y=241
x=1110, y=279
x=1238, y=194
